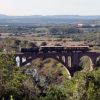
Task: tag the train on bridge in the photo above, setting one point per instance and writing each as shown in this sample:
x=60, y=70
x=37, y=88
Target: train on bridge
x=45, y=49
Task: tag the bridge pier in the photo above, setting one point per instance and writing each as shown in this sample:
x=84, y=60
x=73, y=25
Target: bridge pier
x=94, y=62
x=75, y=59
x=66, y=60
x=21, y=61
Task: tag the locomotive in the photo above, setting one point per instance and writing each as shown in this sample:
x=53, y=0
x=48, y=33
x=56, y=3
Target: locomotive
x=32, y=50
x=45, y=49
x=51, y=48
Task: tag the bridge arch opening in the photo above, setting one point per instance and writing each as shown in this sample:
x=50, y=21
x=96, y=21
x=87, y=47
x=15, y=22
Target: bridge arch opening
x=69, y=60
x=51, y=62
x=17, y=61
x=86, y=63
x=63, y=58
x=98, y=62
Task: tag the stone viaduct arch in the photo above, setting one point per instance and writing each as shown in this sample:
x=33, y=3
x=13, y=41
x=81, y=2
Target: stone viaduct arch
x=62, y=58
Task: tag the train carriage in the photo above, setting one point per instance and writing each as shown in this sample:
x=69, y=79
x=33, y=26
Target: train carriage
x=77, y=48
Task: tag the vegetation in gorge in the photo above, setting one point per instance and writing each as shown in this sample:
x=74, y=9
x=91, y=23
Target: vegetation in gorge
x=50, y=83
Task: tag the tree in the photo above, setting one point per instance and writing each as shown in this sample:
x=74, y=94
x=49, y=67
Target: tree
x=10, y=77
x=43, y=44
x=32, y=44
x=55, y=93
x=17, y=42
x=87, y=86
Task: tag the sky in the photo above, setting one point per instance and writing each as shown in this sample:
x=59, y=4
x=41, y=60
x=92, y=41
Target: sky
x=49, y=7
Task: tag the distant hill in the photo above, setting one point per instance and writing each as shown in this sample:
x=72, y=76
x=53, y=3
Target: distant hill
x=54, y=19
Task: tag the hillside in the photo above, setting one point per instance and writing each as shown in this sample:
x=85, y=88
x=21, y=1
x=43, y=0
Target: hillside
x=54, y=19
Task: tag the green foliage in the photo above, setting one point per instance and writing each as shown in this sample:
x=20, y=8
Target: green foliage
x=85, y=63
x=88, y=84
x=15, y=85
x=55, y=93
x=93, y=90
x=10, y=77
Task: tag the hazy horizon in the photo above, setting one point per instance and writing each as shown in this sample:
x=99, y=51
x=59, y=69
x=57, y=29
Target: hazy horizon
x=46, y=15
x=49, y=7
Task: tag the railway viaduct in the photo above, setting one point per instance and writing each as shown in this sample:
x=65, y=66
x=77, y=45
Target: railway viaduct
x=61, y=58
